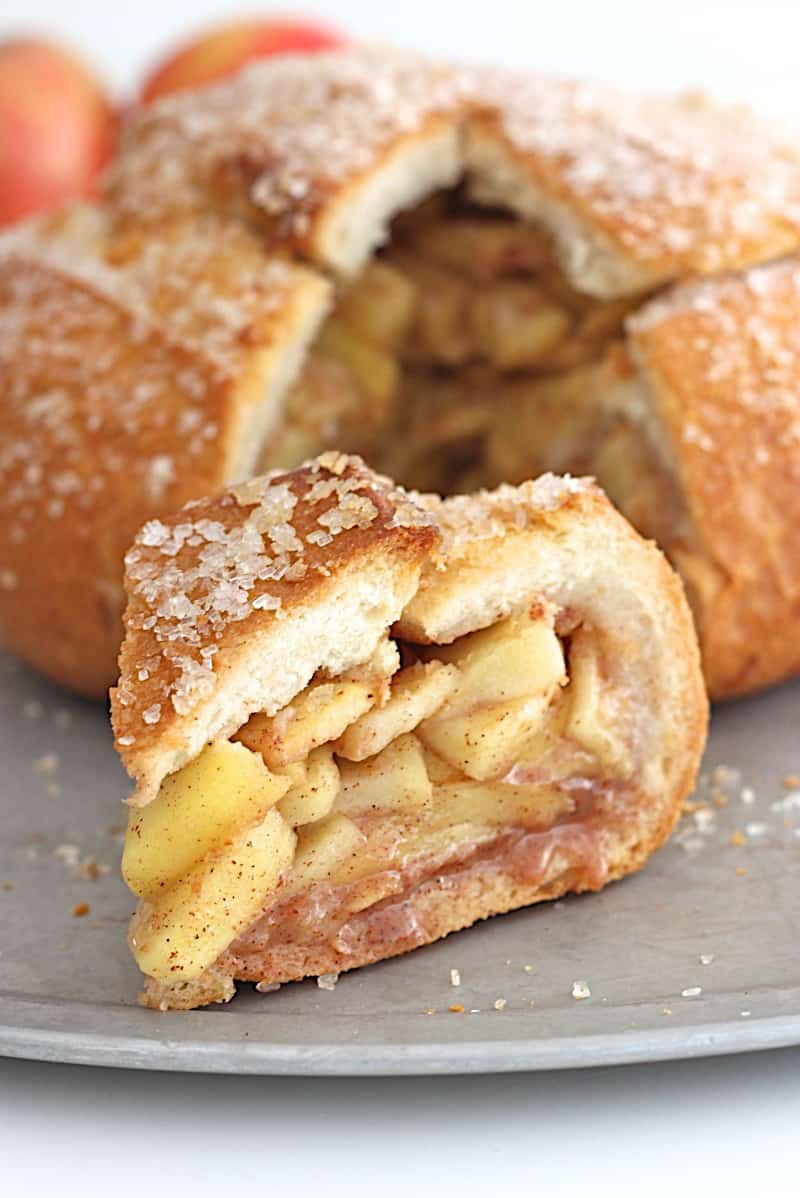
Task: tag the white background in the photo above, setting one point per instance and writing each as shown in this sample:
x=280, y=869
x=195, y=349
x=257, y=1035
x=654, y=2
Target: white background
x=721, y=1126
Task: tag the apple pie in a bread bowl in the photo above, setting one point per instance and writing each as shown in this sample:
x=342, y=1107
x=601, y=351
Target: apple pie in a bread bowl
x=360, y=720
x=466, y=275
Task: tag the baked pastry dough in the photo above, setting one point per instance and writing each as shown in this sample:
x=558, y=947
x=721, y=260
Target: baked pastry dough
x=359, y=722
x=470, y=255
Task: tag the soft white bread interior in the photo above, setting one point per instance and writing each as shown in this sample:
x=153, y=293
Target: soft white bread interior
x=357, y=222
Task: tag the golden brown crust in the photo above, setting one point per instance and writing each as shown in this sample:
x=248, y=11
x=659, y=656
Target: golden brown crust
x=283, y=142
x=721, y=360
x=224, y=577
x=122, y=399
x=670, y=186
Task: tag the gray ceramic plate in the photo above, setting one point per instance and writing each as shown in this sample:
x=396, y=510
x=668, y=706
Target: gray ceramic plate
x=696, y=955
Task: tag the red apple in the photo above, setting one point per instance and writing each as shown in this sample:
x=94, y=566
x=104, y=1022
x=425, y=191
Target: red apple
x=57, y=127
x=225, y=50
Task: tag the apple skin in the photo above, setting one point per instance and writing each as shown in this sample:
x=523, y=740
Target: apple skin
x=225, y=50
x=57, y=128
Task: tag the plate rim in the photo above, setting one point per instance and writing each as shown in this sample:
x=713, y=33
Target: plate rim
x=262, y=1058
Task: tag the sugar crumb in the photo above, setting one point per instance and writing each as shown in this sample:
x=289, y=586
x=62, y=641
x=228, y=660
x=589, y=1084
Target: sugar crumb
x=46, y=764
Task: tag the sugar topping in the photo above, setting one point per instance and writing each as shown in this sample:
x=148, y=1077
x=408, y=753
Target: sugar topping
x=676, y=178
x=95, y=359
x=487, y=515
x=218, y=563
x=740, y=335
x=282, y=133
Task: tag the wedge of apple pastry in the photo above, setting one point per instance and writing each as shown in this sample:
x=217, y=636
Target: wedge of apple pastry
x=360, y=720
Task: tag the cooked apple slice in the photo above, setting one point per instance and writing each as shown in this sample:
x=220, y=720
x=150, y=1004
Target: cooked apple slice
x=317, y=715
x=313, y=795
x=488, y=742
x=438, y=769
x=417, y=692
x=380, y=304
x=330, y=850
x=515, y=325
x=588, y=722
x=441, y=332
x=396, y=780
x=183, y=931
x=495, y=803
x=516, y=658
x=508, y=675
x=376, y=372
x=485, y=248
x=197, y=809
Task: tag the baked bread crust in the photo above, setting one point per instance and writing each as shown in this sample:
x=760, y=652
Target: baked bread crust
x=663, y=186
x=127, y=390
x=195, y=309
x=721, y=364
x=552, y=542
x=637, y=191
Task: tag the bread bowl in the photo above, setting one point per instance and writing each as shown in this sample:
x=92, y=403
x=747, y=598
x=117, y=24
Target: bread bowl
x=527, y=231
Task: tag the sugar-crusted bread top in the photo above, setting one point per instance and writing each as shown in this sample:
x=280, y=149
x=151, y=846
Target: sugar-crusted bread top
x=235, y=602
x=675, y=185
x=672, y=185
x=128, y=387
x=280, y=137
x=95, y=354
x=464, y=520
x=721, y=362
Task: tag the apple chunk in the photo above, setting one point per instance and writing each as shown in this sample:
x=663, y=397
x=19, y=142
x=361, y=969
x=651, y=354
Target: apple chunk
x=313, y=796
x=380, y=305
x=328, y=851
x=594, y=714
x=196, y=810
x=508, y=676
x=495, y=803
x=417, y=692
x=317, y=715
x=181, y=933
x=375, y=372
x=395, y=780
x=488, y=742
x=513, y=659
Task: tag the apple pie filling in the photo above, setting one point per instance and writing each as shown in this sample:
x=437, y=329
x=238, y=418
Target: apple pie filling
x=461, y=330
x=313, y=826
